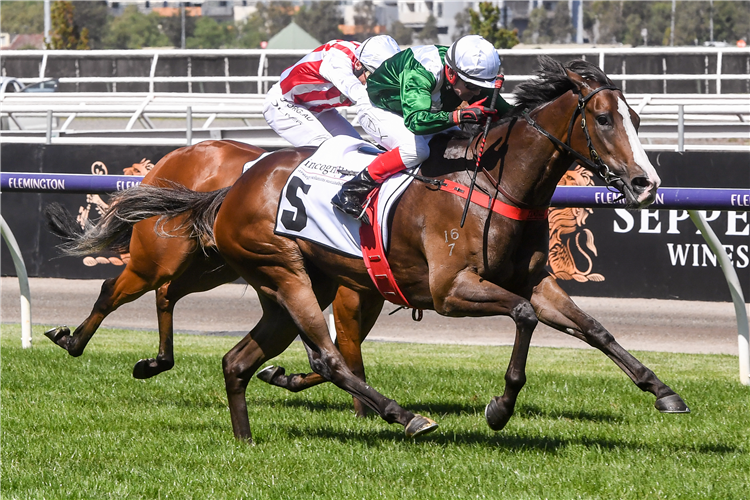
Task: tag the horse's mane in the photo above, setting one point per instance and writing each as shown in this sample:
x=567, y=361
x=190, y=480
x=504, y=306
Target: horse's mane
x=552, y=81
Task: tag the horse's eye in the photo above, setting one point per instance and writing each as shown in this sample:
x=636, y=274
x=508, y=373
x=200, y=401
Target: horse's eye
x=602, y=120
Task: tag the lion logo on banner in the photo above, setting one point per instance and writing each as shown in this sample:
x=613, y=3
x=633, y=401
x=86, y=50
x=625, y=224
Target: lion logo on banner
x=95, y=202
x=566, y=228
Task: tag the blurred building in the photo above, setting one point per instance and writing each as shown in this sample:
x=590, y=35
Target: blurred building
x=411, y=13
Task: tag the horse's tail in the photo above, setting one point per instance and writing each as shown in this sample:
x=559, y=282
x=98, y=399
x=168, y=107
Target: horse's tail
x=134, y=205
x=89, y=238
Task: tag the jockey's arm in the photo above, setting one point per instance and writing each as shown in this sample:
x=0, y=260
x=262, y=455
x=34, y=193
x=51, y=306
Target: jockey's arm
x=336, y=67
x=416, y=104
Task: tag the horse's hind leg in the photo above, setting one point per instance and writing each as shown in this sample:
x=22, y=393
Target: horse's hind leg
x=295, y=293
x=354, y=318
x=555, y=308
x=203, y=274
x=114, y=293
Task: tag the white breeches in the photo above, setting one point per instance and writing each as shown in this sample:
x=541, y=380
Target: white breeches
x=388, y=130
x=300, y=126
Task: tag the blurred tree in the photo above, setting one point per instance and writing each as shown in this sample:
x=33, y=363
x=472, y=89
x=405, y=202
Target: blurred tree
x=463, y=23
x=623, y=21
x=321, y=20
x=429, y=33
x=250, y=33
x=209, y=34
x=486, y=23
x=134, y=30
x=270, y=18
x=172, y=28
x=538, y=29
x=560, y=25
x=65, y=33
x=400, y=33
x=22, y=17
x=365, y=19
x=94, y=17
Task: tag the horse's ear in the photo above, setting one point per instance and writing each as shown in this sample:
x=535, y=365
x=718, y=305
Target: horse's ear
x=577, y=80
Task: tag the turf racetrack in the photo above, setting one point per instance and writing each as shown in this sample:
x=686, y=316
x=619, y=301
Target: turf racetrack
x=84, y=428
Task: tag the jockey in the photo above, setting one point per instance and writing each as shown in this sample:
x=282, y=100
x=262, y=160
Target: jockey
x=301, y=106
x=415, y=94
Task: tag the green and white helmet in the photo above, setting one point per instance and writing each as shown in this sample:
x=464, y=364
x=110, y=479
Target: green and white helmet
x=375, y=50
x=475, y=60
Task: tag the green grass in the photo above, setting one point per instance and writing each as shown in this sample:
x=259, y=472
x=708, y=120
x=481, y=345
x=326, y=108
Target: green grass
x=84, y=428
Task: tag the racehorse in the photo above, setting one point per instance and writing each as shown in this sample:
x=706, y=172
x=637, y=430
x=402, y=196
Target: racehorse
x=171, y=266
x=495, y=264
x=175, y=267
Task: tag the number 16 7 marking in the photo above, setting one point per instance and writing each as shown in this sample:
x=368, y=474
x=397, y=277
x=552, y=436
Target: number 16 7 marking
x=453, y=236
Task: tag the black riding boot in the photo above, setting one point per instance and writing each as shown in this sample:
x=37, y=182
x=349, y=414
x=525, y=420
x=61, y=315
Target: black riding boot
x=353, y=193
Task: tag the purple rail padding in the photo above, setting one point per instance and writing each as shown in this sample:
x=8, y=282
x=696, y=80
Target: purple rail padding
x=565, y=196
x=736, y=199
x=65, y=183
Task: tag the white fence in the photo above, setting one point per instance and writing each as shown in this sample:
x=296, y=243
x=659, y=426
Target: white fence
x=712, y=68
x=668, y=122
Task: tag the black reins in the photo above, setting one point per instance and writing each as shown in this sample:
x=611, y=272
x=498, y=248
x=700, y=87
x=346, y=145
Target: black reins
x=595, y=163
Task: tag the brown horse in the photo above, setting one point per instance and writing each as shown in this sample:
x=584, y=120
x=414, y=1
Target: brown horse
x=175, y=267
x=171, y=266
x=494, y=266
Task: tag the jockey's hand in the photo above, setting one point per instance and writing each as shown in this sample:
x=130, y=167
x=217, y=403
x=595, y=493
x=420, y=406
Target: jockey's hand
x=475, y=113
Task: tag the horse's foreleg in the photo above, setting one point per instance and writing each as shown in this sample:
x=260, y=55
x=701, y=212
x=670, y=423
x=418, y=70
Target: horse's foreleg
x=202, y=274
x=470, y=295
x=555, y=308
x=114, y=293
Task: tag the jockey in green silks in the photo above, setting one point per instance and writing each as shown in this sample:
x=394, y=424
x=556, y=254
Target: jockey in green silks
x=414, y=95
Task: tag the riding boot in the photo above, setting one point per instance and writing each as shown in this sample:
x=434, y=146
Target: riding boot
x=353, y=193
x=350, y=199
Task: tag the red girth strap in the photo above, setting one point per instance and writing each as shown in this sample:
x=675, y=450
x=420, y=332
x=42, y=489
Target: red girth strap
x=498, y=206
x=371, y=241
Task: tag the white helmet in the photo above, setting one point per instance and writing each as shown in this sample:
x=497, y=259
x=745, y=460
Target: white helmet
x=375, y=50
x=475, y=60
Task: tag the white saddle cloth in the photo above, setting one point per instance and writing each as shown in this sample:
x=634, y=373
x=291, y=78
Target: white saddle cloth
x=305, y=209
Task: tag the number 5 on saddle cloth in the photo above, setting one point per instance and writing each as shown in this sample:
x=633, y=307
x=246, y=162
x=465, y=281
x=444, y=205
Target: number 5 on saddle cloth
x=305, y=209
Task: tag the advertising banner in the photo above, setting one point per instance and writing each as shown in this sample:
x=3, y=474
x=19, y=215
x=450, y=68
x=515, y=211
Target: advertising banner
x=24, y=211
x=593, y=251
x=654, y=253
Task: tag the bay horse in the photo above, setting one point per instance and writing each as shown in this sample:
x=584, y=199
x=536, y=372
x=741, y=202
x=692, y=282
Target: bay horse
x=494, y=266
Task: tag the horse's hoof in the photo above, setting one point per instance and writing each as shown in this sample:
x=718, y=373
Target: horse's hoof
x=55, y=334
x=671, y=404
x=59, y=336
x=496, y=415
x=147, y=368
x=268, y=373
x=420, y=425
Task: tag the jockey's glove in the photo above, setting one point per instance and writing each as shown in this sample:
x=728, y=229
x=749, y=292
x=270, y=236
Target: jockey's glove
x=475, y=113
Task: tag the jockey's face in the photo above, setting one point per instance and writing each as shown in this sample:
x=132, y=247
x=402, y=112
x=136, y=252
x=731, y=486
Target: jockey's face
x=363, y=75
x=464, y=90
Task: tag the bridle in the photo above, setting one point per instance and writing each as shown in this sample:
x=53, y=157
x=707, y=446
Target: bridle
x=595, y=163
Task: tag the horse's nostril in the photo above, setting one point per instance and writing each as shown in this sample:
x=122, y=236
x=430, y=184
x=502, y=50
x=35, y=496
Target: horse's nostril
x=641, y=184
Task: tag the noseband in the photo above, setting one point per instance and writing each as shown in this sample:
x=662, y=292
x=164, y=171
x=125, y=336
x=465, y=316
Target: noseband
x=595, y=163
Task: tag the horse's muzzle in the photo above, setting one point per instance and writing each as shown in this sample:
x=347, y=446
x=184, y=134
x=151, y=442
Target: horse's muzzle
x=641, y=192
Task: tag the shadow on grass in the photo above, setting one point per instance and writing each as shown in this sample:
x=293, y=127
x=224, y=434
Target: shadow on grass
x=505, y=441
x=533, y=411
x=443, y=408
